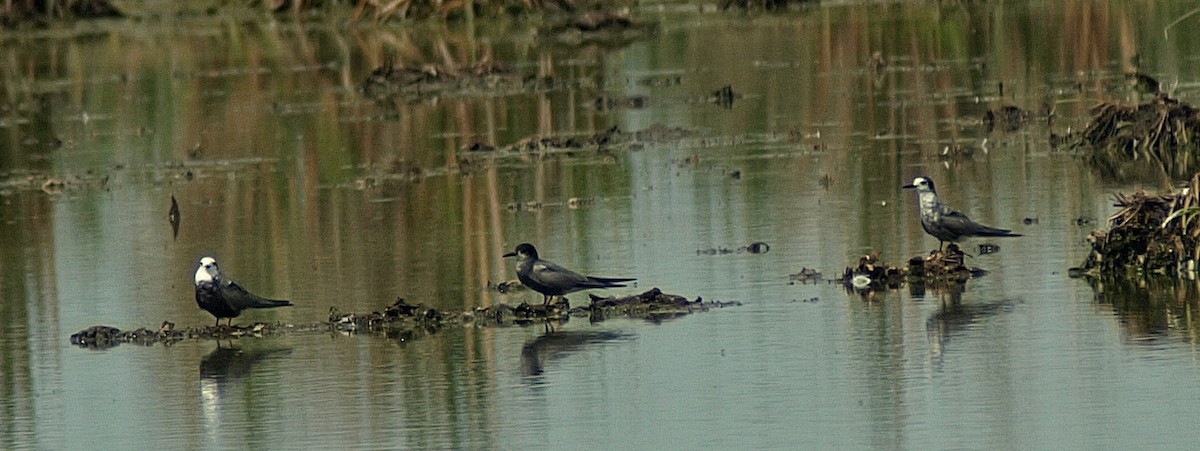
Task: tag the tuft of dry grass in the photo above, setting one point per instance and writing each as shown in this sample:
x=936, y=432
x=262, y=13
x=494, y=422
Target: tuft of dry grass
x=1161, y=131
x=1150, y=234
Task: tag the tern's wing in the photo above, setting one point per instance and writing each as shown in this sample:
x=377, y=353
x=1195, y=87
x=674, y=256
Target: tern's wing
x=557, y=276
x=238, y=298
x=962, y=225
x=551, y=274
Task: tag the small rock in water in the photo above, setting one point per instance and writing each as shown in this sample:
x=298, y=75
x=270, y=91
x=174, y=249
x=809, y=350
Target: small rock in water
x=805, y=276
x=758, y=247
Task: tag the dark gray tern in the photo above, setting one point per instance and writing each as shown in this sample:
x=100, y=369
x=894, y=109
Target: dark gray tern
x=550, y=280
x=223, y=297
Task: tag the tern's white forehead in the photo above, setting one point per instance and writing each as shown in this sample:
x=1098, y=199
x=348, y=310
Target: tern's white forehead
x=923, y=185
x=207, y=271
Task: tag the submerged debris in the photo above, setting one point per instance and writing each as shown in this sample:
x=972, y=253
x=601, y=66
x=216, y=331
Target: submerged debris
x=396, y=317
x=724, y=97
x=607, y=102
x=1151, y=234
x=1142, y=83
x=552, y=144
x=611, y=28
x=652, y=304
x=988, y=248
x=173, y=217
x=940, y=268
x=404, y=82
x=51, y=184
x=1007, y=118
x=757, y=247
x=404, y=317
x=805, y=276
x=870, y=274
x=406, y=321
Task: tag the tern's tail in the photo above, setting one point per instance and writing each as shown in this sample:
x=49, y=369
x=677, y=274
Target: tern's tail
x=992, y=231
x=271, y=303
x=609, y=282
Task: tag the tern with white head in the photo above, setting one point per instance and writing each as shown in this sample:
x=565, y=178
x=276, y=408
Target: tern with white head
x=223, y=297
x=945, y=223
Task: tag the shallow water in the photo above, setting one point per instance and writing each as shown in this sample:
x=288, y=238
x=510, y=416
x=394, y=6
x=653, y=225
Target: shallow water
x=305, y=189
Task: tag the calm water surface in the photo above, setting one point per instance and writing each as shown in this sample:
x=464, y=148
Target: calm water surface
x=306, y=189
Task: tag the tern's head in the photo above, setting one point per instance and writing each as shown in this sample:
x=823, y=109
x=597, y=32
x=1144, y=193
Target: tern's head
x=207, y=271
x=922, y=185
x=524, y=251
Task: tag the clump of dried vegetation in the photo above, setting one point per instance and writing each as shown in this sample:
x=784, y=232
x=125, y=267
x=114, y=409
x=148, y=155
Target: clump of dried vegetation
x=1150, y=234
x=1161, y=131
x=942, y=268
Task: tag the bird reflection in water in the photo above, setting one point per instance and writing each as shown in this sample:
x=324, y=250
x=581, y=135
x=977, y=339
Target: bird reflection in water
x=954, y=318
x=222, y=374
x=539, y=352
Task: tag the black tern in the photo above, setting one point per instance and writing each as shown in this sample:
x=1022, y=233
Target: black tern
x=223, y=297
x=943, y=222
x=550, y=280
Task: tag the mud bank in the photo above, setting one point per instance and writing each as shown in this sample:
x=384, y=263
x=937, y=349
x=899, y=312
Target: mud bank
x=407, y=321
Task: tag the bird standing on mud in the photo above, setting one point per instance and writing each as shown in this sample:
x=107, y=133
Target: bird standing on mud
x=550, y=280
x=943, y=222
x=223, y=297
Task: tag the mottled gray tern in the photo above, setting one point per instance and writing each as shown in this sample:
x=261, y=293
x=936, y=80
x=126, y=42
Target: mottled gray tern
x=943, y=222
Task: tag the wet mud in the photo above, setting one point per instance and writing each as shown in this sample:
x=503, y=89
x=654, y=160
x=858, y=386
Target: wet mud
x=406, y=321
x=101, y=337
